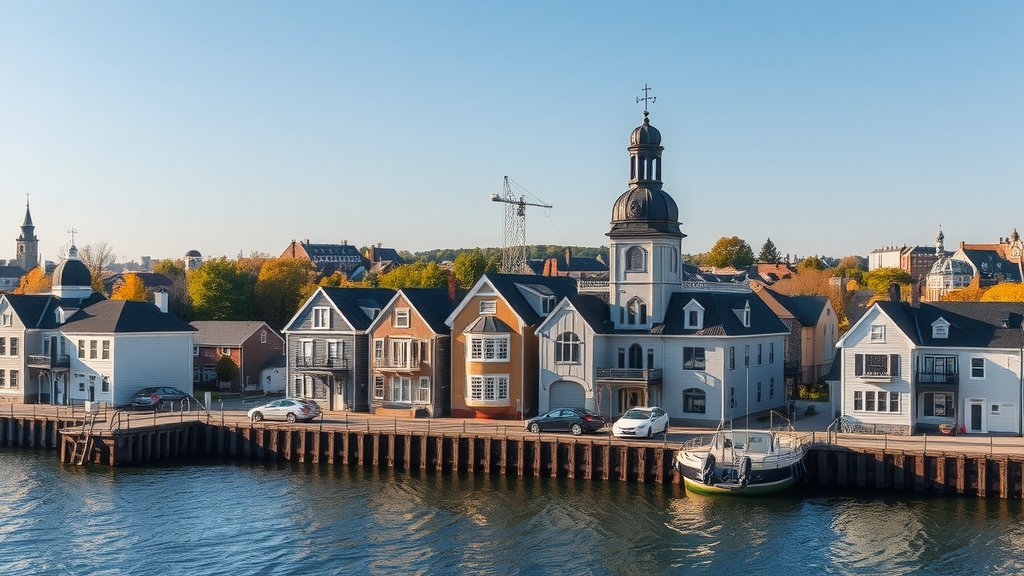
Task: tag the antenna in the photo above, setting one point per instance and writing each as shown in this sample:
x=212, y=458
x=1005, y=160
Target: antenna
x=513, y=253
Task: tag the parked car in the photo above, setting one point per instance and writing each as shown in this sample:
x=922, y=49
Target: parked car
x=641, y=421
x=154, y=398
x=574, y=420
x=289, y=409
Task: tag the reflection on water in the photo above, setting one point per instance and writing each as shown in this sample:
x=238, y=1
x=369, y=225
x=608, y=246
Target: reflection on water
x=216, y=518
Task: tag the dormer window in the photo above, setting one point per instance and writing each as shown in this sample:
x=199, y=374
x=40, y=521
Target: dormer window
x=693, y=316
x=743, y=315
x=940, y=329
x=547, y=304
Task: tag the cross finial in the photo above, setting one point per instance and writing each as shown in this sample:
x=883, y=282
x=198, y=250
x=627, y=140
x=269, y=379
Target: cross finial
x=72, y=231
x=647, y=97
x=26, y=199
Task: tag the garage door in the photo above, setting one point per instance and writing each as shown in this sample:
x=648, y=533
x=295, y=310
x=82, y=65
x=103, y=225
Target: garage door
x=567, y=395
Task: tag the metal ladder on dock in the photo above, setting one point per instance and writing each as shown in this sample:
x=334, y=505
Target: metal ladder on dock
x=83, y=441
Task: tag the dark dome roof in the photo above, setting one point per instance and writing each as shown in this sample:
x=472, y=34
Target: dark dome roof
x=193, y=254
x=948, y=266
x=645, y=134
x=71, y=272
x=646, y=210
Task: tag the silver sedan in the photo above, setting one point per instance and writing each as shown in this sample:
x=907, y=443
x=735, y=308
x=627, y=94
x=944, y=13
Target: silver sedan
x=641, y=421
x=289, y=409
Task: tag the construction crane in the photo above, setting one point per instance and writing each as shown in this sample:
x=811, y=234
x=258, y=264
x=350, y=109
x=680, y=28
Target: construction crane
x=513, y=252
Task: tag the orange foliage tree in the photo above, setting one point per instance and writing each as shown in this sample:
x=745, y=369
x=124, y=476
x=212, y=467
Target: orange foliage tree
x=1004, y=292
x=131, y=289
x=35, y=282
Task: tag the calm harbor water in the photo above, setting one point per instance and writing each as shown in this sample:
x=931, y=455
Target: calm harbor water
x=269, y=518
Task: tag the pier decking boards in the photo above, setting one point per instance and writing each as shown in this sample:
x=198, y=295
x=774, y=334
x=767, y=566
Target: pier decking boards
x=829, y=466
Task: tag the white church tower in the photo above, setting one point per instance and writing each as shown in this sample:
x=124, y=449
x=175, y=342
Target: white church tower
x=645, y=240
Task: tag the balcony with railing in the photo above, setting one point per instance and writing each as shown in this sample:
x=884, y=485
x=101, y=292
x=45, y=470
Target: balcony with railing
x=390, y=363
x=322, y=362
x=49, y=361
x=631, y=375
x=933, y=377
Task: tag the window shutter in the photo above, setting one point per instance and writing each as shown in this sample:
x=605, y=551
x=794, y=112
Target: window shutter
x=859, y=369
x=894, y=365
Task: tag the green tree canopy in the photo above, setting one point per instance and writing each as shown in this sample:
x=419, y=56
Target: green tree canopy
x=469, y=267
x=225, y=369
x=178, y=302
x=217, y=290
x=879, y=279
x=733, y=252
x=280, y=287
x=769, y=253
x=811, y=263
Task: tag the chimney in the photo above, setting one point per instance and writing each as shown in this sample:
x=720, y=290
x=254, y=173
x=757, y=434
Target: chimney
x=370, y=252
x=452, y=284
x=160, y=299
x=568, y=258
x=915, y=295
x=894, y=292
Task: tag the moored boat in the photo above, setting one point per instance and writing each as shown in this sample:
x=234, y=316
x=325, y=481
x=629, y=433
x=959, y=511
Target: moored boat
x=741, y=462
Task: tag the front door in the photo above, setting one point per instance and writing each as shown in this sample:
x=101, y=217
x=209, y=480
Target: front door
x=629, y=397
x=977, y=423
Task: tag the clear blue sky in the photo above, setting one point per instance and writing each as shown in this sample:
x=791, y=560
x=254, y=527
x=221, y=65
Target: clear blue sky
x=832, y=127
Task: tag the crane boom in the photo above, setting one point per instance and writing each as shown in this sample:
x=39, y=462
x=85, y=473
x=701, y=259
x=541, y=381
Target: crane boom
x=513, y=253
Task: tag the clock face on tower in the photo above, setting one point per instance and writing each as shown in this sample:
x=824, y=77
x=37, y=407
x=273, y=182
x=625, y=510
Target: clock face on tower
x=1015, y=252
x=634, y=208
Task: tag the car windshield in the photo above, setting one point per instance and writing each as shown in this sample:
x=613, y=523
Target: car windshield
x=637, y=415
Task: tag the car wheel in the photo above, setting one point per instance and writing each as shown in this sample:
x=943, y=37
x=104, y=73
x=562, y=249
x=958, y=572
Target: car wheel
x=534, y=427
x=576, y=429
x=257, y=416
x=650, y=432
x=290, y=417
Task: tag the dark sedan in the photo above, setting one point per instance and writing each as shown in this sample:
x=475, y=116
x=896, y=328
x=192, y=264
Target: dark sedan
x=153, y=398
x=574, y=420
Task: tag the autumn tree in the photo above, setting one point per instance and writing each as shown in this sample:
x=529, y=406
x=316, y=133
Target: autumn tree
x=178, y=302
x=851, y=267
x=35, y=282
x=769, y=253
x=810, y=263
x=97, y=256
x=280, y=287
x=878, y=280
x=131, y=289
x=1004, y=292
x=419, y=274
x=733, y=252
x=217, y=290
x=469, y=267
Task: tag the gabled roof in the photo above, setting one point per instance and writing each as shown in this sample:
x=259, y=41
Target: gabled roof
x=806, y=309
x=350, y=302
x=119, y=316
x=432, y=305
x=505, y=286
x=720, y=318
x=972, y=324
x=227, y=332
x=30, y=308
x=989, y=263
x=592, y=309
x=12, y=271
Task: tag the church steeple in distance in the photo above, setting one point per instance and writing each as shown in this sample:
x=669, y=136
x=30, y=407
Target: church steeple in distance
x=28, y=244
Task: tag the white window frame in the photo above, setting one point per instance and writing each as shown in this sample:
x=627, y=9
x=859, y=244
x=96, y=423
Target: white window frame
x=378, y=348
x=263, y=337
x=881, y=401
x=981, y=360
x=877, y=333
x=378, y=387
x=321, y=319
x=401, y=318
x=105, y=350
x=488, y=307
x=423, y=391
x=487, y=389
x=488, y=348
x=401, y=389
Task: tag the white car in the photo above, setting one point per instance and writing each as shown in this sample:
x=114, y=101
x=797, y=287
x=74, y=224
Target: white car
x=287, y=409
x=641, y=421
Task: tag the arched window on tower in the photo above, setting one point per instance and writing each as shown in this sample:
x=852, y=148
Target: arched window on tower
x=636, y=311
x=636, y=259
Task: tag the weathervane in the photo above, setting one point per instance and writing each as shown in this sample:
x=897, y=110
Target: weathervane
x=646, y=97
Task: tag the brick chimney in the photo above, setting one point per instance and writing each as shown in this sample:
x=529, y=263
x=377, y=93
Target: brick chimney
x=452, y=285
x=915, y=295
x=568, y=257
x=894, y=292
